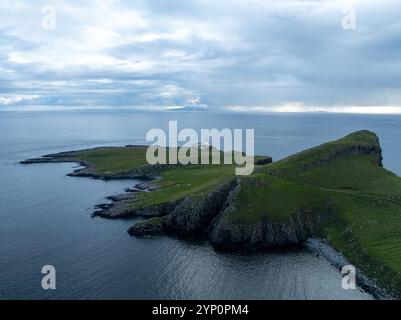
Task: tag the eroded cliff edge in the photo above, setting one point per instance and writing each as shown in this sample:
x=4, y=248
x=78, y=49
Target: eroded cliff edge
x=208, y=215
x=338, y=191
x=218, y=214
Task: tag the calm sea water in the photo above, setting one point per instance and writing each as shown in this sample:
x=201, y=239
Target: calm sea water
x=45, y=216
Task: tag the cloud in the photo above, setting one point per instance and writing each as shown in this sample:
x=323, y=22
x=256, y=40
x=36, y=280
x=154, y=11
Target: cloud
x=163, y=55
x=10, y=100
x=299, y=107
x=192, y=104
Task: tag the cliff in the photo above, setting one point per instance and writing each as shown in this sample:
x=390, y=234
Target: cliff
x=263, y=211
x=193, y=216
x=208, y=214
x=338, y=191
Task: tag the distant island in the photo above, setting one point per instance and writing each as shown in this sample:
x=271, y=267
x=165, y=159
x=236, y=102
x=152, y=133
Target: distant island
x=336, y=195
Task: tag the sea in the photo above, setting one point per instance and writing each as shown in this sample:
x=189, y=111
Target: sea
x=45, y=216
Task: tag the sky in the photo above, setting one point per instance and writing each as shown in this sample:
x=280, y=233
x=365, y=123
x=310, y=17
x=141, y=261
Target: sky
x=233, y=55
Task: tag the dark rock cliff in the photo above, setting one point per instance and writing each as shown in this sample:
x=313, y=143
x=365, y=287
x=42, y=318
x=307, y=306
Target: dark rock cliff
x=192, y=216
x=208, y=214
x=266, y=234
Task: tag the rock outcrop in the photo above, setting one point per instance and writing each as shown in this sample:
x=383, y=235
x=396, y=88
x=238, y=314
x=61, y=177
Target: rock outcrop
x=193, y=216
x=121, y=208
x=272, y=208
x=263, y=234
x=208, y=214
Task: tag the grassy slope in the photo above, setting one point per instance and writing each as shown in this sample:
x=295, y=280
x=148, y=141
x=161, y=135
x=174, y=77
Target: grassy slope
x=265, y=196
x=114, y=159
x=180, y=182
x=176, y=183
x=295, y=164
x=365, y=198
x=356, y=174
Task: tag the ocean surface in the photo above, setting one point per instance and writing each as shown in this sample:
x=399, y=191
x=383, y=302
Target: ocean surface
x=45, y=216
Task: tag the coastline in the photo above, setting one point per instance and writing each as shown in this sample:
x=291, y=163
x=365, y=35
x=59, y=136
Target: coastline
x=118, y=208
x=338, y=260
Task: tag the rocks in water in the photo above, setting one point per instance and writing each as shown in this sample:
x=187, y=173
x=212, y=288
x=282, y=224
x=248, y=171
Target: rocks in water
x=338, y=260
x=104, y=206
x=115, y=210
x=121, y=208
x=121, y=197
x=142, y=186
x=153, y=226
x=147, y=186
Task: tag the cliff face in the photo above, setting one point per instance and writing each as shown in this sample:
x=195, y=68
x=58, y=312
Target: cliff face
x=209, y=215
x=196, y=213
x=222, y=215
x=338, y=191
x=265, y=234
x=192, y=216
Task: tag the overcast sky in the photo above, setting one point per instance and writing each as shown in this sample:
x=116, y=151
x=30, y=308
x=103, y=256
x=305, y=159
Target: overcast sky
x=240, y=55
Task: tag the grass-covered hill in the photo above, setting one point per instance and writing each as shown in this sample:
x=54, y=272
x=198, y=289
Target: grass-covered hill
x=338, y=191
x=356, y=203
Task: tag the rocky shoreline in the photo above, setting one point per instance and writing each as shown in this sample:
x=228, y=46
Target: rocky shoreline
x=207, y=214
x=338, y=260
x=119, y=206
x=88, y=170
x=202, y=214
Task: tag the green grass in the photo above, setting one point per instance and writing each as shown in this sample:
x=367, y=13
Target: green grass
x=365, y=202
x=267, y=197
x=368, y=232
x=297, y=163
x=365, y=199
x=365, y=227
x=121, y=159
x=177, y=181
x=180, y=182
x=358, y=174
x=113, y=160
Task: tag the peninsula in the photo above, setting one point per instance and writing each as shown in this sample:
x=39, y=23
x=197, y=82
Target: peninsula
x=338, y=192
